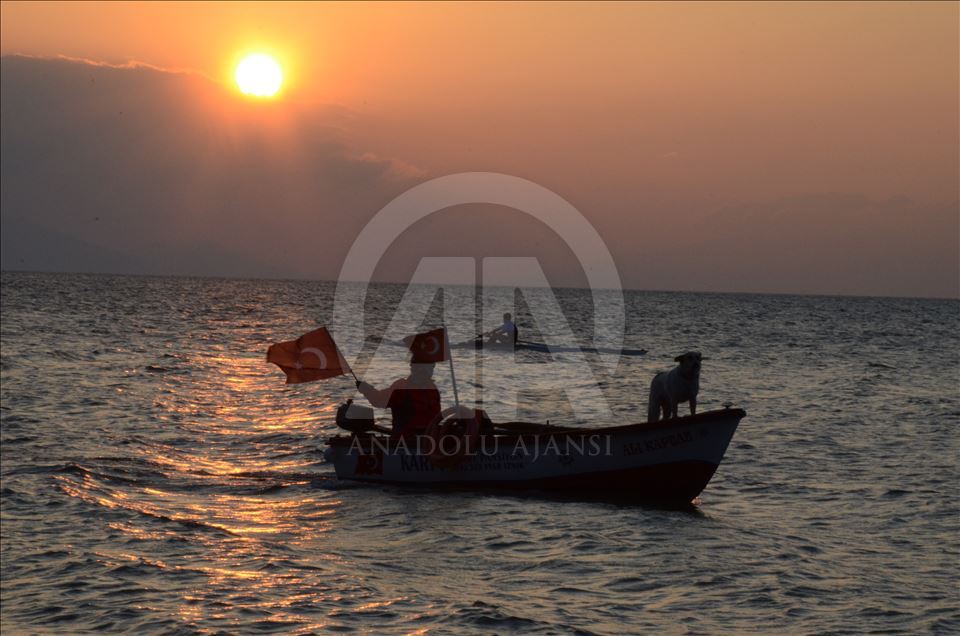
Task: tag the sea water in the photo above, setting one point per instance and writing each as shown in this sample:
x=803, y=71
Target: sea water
x=158, y=476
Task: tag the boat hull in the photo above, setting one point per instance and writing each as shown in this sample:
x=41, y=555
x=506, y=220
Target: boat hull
x=669, y=461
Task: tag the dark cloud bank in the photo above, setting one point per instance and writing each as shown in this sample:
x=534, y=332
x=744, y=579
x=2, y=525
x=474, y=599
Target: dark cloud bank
x=136, y=170
x=143, y=171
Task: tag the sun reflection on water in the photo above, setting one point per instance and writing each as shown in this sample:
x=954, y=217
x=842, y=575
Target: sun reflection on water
x=231, y=464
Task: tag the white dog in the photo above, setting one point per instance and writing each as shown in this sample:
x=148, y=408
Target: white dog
x=670, y=388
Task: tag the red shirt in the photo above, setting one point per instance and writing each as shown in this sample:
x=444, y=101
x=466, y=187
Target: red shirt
x=413, y=407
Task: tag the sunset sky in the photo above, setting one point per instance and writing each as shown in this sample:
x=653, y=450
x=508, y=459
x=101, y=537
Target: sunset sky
x=798, y=148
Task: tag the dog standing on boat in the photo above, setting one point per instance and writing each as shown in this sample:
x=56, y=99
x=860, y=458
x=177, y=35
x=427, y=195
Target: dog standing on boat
x=670, y=388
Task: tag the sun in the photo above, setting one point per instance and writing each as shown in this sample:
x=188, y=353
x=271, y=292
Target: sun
x=259, y=75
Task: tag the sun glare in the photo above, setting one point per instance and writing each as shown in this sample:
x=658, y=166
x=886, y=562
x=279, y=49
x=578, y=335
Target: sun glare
x=259, y=75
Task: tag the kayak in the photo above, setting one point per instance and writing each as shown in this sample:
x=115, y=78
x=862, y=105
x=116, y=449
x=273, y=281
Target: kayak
x=669, y=461
x=523, y=345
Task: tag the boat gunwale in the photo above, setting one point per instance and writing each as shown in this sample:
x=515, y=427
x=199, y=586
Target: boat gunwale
x=686, y=420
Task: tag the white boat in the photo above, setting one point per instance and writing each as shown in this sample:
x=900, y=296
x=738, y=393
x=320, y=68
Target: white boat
x=666, y=461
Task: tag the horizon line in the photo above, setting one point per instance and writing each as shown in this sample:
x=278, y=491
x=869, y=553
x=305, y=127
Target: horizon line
x=387, y=282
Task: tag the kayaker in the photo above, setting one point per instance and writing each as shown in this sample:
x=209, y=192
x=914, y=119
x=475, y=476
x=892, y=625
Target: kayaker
x=507, y=333
x=414, y=401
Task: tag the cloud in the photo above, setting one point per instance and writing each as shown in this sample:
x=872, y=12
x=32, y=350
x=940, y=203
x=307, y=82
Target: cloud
x=143, y=170
x=163, y=169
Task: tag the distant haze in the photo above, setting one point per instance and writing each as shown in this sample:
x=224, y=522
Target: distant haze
x=760, y=148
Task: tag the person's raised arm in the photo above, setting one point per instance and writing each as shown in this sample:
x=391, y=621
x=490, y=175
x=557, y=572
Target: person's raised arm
x=378, y=398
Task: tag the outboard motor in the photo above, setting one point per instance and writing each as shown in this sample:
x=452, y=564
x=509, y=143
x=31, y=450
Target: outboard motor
x=355, y=418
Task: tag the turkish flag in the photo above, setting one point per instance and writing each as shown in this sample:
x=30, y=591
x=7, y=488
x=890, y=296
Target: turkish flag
x=428, y=347
x=312, y=356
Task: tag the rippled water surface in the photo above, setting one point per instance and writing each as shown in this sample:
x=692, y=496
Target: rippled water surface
x=158, y=476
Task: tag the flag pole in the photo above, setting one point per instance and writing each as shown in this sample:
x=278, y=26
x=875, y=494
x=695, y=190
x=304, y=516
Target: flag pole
x=453, y=376
x=349, y=368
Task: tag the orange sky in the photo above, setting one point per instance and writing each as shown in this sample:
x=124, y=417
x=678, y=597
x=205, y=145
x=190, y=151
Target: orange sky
x=805, y=74
x=685, y=108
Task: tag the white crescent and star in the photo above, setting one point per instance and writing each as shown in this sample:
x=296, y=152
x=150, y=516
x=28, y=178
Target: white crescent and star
x=436, y=346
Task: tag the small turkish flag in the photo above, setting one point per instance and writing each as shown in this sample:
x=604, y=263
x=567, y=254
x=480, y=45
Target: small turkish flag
x=428, y=347
x=312, y=356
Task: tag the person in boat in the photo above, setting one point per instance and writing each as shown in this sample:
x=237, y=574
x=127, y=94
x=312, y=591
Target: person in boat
x=414, y=401
x=505, y=334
